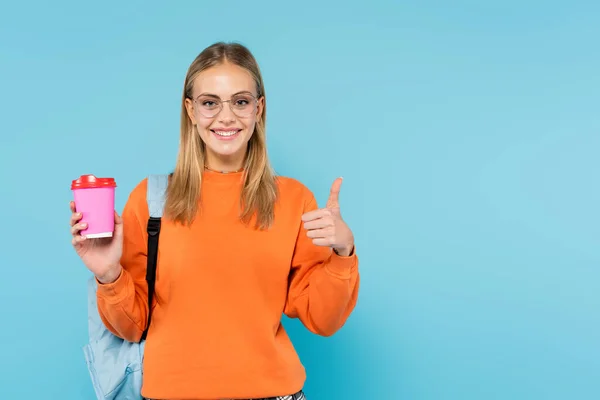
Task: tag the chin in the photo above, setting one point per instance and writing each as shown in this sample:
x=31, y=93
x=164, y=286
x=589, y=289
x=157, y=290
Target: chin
x=226, y=148
x=226, y=152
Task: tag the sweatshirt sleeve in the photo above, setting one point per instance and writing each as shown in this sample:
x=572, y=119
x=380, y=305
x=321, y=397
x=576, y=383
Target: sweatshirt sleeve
x=123, y=304
x=323, y=286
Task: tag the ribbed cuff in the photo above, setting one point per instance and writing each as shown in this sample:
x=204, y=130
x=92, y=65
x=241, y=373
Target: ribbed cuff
x=116, y=291
x=342, y=267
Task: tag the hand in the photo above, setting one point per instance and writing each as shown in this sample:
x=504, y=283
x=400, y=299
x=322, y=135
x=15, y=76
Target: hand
x=327, y=228
x=102, y=255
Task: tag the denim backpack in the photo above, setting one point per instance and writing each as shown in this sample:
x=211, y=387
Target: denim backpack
x=114, y=364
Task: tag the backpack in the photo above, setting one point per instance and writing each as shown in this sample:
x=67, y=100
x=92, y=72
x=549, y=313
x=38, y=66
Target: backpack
x=114, y=364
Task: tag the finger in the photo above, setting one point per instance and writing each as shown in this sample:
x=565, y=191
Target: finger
x=72, y=206
x=75, y=229
x=334, y=193
x=118, y=219
x=118, y=225
x=316, y=214
x=320, y=233
x=319, y=223
x=77, y=240
x=75, y=217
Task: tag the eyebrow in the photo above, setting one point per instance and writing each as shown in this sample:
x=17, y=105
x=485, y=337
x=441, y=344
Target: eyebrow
x=214, y=95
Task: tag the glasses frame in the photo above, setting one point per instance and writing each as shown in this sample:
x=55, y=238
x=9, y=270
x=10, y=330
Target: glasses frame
x=220, y=102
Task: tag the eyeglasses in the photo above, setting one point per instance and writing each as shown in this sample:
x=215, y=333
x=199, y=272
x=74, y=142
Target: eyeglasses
x=243, y=105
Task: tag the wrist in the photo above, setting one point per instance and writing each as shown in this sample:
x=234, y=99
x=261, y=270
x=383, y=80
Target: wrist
x=346, y=251
x=110, y=276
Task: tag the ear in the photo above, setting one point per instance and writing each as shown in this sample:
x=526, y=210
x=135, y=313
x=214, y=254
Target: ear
x=260, y=106
x=189, y=106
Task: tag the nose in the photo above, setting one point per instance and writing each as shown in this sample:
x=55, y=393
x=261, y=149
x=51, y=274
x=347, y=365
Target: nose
x=226, y=115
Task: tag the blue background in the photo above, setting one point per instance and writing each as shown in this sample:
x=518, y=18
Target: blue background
x=468, y=136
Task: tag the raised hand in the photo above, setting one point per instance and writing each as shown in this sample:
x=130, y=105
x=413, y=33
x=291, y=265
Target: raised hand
x=101, y=255
x=326, y=227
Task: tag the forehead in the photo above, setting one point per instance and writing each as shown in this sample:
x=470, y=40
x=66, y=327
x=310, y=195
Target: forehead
x=224, y=80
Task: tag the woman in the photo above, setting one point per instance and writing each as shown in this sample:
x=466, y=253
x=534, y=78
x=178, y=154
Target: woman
x=238, y=248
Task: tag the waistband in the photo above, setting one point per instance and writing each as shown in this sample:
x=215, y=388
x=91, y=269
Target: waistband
x=296, y=396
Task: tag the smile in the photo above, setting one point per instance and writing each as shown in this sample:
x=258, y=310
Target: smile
x=226, y=135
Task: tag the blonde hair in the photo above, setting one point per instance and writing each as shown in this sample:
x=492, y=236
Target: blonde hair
x=259, y=191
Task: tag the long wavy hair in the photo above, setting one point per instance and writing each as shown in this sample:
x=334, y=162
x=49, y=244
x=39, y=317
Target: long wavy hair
x=259, y=191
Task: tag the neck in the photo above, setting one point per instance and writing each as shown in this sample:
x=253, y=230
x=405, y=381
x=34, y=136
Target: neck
x=223, y=171
x=233, y=163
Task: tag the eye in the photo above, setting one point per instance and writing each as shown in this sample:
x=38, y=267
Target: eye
x=209, y=104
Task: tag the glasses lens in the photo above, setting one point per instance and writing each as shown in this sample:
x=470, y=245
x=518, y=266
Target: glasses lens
x=242, y=105
x=209, y=106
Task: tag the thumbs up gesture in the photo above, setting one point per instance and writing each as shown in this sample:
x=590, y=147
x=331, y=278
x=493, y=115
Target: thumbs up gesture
x=326, y=227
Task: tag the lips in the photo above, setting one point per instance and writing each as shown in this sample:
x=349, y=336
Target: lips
x=226, y=134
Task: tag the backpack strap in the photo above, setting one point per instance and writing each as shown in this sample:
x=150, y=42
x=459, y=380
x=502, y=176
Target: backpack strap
x=155, y=197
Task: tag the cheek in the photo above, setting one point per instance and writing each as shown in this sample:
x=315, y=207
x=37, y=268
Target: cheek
x=204, y=124
x=249, y=124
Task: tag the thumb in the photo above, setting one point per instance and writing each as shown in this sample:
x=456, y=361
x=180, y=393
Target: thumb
x=118, y=223
x=118, y=219
x=334, y=193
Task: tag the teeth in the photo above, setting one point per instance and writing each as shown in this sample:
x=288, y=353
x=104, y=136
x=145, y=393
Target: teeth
x=226, y=133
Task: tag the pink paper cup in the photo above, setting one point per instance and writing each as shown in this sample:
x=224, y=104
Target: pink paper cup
x=95, y=199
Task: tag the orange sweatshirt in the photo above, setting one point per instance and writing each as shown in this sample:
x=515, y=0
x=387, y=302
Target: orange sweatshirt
x=221, y=289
